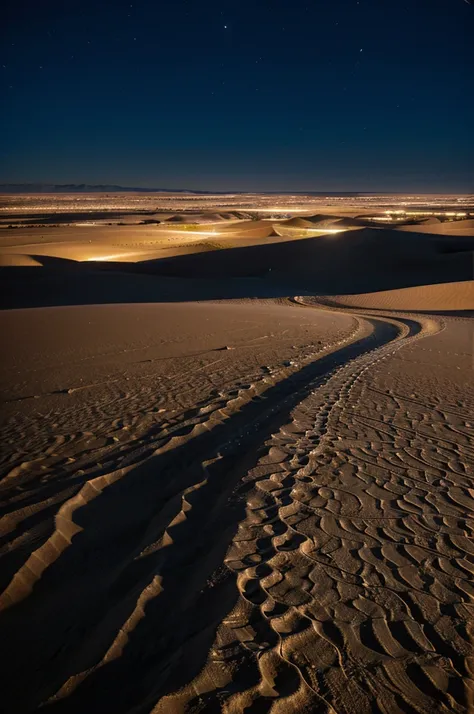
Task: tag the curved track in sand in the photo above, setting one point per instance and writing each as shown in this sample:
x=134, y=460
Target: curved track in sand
x=279, y=563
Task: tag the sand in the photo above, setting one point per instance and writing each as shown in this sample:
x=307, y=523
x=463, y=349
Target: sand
x=352, y=563
x=238, y=479
x=353, y=261
x=448, y=228
x=130, y=243
x=429, y=298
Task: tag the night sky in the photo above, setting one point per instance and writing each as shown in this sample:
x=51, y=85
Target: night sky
x=336, y=95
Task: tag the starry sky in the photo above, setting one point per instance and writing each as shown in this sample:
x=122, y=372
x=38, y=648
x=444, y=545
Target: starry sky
x=257, y=95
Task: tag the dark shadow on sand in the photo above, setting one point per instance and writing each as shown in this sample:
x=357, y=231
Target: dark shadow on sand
x=354, y=262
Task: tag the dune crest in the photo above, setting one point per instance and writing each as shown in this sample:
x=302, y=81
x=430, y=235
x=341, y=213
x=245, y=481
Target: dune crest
x=428, y=298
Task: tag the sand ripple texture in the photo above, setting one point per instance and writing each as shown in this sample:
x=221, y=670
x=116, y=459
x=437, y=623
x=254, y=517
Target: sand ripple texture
x=302, y=547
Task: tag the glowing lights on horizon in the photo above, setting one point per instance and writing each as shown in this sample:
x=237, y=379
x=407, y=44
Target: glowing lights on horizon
x=244, y=202
x=451, y=214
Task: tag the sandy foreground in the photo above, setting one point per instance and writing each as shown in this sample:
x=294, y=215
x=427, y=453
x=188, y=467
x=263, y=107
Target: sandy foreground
x=258, y=503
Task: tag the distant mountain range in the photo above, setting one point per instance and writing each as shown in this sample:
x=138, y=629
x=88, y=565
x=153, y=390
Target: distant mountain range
x=88, y=188
x=111, y=188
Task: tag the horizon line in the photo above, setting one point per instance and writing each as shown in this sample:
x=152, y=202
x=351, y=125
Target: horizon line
x=29, y=188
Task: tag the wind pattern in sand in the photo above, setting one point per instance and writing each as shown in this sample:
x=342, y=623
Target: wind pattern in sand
x=300, y=543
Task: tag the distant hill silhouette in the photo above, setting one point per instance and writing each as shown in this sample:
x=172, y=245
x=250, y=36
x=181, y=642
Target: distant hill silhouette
x=112, y=188
x=88, y=188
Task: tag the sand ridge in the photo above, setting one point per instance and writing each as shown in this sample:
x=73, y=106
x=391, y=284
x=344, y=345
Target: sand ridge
x=439, y=297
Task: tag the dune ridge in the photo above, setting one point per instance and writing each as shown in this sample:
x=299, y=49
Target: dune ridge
x=428, y=298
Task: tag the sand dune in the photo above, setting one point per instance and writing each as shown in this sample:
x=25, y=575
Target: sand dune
x=248, y=229
x=447, y=228
x=351, y=222
x=129, y=243
x=315, y=225
x=427, y=298
x=360, y=261
x=207, y=217
x=322, y=220
x=353, y=261
x=297, y=222
x=431, y=221
x=17, y=260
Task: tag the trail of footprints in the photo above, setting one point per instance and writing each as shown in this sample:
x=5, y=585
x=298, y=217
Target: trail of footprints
x=354, y=562
x=58, y=472
x=49, y=438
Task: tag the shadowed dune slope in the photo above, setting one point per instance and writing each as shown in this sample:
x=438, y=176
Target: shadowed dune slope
x=356, y=261
x=361, y=261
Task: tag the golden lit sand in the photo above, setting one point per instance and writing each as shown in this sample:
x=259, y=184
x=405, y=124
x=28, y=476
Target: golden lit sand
x=453, y=228
x=428, y=298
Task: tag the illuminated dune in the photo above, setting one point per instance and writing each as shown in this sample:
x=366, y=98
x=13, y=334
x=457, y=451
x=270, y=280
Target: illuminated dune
x=296, y=223
x=350, y=222
x=456, y=296
x=127, y=242
x=316, y=225
x=448, y=228
x=202, y=218
x=432, y=220
x=18, y=260
x=293, y=232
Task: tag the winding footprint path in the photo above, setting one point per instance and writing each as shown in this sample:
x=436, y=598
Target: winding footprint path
x=304, y=546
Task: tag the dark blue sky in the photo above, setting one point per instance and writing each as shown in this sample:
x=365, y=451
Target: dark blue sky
x=246, y=95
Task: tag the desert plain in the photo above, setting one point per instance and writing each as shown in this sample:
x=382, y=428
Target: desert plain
x=237, y=454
